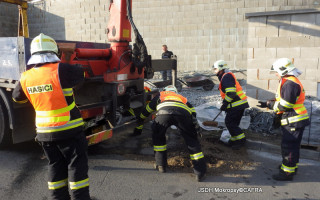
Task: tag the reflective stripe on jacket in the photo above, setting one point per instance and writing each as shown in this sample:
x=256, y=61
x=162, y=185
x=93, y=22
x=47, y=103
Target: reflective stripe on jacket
x=42, y=87
x=298, y=106
x=237, y=89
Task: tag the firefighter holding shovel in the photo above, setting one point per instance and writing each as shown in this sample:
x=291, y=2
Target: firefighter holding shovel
x=234, y=103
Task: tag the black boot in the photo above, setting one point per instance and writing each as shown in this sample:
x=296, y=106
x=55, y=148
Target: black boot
x=283, y=176
x=236, y=145
x=200, y=177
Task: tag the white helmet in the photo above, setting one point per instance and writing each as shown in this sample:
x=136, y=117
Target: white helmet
x=42, y=44
x=282, y=66
x=220, y=64
x=171, y=88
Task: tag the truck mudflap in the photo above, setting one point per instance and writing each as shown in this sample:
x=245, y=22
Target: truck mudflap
x=100, y=136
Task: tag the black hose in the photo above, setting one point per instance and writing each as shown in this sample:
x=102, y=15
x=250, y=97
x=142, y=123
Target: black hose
x=124, y=53
x=139, y=52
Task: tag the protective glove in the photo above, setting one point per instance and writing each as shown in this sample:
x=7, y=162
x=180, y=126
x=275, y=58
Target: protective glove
x=262, y=104
x=224, y=106
x=276, y=121
x=270, y=103
x=136, y=132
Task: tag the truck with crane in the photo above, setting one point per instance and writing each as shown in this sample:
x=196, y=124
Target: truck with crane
x=114, y=77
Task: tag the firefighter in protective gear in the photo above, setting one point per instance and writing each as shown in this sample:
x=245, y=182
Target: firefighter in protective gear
x=289, y=106
x=138, y=130
x=173, y=109
x=234, y=102
x=48, y=86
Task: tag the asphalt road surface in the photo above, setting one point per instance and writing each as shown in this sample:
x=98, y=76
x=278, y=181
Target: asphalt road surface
x=23, y=172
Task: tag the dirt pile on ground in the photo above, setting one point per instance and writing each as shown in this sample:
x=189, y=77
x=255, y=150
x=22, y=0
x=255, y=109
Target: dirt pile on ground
x=219, y=158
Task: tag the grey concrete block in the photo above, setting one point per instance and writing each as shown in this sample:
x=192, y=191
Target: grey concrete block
x=273, y=84
x=311, y=29
x=302, y=41
x=311, y=74
x=268, y=31
x=306, y=63
x=265, y=3
x=280, y=3
x=309, y=85
x=250, y=53
x=264, y=63
x=275, y=42
x=289, y=52
x=288, y=30
x=252, y=32
x=295, y=3
x=262, y=42
x=264, y=74
x=257, y=21
x=253, y=74
x=310, y=52
x=260, y=84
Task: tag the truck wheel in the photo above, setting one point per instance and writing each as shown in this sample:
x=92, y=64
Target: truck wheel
x=5, y=138
x=119, y=118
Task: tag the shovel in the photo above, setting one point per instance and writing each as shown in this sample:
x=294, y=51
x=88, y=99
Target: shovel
x=212, y=123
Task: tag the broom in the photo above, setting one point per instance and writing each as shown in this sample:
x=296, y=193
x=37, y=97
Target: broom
x=212, y=123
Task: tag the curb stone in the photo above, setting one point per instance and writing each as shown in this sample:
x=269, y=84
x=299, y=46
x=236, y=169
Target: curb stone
x=271, y=148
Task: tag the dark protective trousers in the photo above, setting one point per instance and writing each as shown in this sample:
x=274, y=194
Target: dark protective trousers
x=188, y=132
x=166, y=74
x=232, y=121
x=68, y=160
x=290, y=145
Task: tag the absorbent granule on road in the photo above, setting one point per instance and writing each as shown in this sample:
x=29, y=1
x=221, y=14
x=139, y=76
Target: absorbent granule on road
x=219, y=158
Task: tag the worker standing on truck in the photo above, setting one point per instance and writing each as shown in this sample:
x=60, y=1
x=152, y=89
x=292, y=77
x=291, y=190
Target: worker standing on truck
x=290, y=109
x=48, y=86
x=234, y=102
x=174, y=109
x=165, y=55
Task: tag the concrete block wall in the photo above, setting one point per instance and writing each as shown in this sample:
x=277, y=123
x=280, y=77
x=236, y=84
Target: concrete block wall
x=8, y=20
x=78, y=20
x=273, y=35
x=199, y=32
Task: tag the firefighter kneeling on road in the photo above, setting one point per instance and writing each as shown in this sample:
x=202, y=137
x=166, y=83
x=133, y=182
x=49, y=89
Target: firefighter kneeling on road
x=173, y=109
x=234, y=103
x=48, y=86
x=290, y=109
